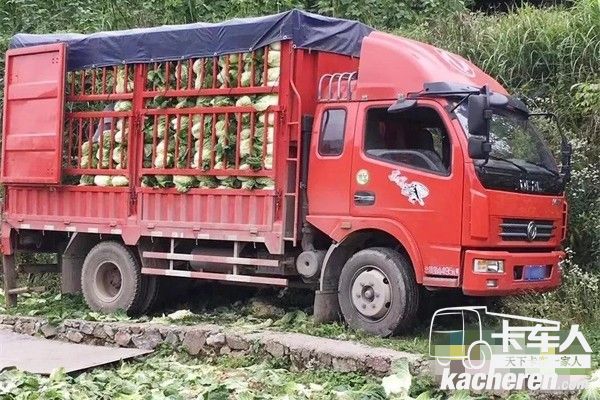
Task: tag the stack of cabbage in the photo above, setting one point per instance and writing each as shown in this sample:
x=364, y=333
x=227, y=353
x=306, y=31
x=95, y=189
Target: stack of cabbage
x=105, y=80
x=108, y=151
x=187, y=141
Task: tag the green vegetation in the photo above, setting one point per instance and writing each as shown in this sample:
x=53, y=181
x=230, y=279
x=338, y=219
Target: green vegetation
x=173, y=375
x=267, y=312
x=547, y=55
x=574, y=302
x=168, y=374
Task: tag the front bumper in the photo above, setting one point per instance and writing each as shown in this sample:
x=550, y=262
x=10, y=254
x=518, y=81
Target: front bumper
x=513, y=280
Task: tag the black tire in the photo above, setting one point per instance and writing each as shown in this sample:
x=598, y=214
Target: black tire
x=399, y=287
x=111, y=279
x=150, y=297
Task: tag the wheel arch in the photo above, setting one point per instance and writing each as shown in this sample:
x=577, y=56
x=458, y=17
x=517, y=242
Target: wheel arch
x=73, y=256
x=390, y=235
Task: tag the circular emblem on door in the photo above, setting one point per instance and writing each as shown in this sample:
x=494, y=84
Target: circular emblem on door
x=362, y=177
x=531, y=231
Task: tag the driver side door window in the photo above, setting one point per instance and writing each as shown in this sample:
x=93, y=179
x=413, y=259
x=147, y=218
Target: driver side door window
x=416, y=138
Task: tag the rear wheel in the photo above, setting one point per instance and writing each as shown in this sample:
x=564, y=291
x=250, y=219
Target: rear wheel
x=151, y=294
x=377, y=292
x=111, y=279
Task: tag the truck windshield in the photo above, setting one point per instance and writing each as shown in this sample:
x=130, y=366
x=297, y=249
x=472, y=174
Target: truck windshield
x=520, y=160
x=515, y=140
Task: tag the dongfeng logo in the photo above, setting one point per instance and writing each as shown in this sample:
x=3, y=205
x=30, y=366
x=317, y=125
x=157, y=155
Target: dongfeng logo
x=531, y=231
x=527, y=185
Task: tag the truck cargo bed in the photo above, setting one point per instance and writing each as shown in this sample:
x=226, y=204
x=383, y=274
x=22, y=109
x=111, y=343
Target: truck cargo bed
x=111, y=129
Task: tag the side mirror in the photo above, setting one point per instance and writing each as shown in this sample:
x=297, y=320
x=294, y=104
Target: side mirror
x=566, y=150
x=500, y=100
x=478, y=114
x=402, y=105
x=479, y=147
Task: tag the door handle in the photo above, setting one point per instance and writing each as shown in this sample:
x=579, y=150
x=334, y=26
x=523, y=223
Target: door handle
x=364, y=198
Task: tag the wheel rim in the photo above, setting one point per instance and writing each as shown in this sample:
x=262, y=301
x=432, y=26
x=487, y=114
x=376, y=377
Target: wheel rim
x=108, y=281
x=371, y=293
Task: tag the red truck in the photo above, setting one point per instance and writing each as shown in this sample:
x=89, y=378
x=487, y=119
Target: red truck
x=287, y=150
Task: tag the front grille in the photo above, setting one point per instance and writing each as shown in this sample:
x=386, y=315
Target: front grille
x=522, y=230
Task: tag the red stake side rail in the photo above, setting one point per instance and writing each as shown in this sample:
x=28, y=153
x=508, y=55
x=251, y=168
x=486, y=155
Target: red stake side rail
x=269, y=216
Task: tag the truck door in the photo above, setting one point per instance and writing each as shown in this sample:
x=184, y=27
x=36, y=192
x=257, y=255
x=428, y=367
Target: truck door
x=331, y=160
x=407, y=167
x=33, y=114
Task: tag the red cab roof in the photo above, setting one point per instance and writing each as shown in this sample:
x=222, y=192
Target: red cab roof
x=392, y=66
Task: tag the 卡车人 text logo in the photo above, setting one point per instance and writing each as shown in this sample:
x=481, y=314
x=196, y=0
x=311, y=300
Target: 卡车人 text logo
x=521, y=353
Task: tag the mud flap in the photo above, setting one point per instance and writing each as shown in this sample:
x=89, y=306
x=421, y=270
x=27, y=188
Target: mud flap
x=326, y=306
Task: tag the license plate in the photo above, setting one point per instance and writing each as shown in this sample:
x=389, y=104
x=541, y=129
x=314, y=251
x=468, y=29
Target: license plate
x=534, y=272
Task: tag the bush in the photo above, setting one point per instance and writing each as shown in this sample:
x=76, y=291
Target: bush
x=576, y=301
x=584, y=209
x=534, y=48
x=389, y=14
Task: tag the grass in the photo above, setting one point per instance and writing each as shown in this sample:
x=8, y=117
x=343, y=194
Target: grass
x=290, y=311
x=576, y=301
x=246, y=309
x=527, y=47
x=279, y=311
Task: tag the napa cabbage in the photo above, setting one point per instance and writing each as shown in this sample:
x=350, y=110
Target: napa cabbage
x=183, y=183
x=123, y=105
x=86, y=180
x=244, y=101
x=266, y=101
x=102, y=180
x=119, y=180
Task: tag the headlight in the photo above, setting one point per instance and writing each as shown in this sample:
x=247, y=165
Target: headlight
x=491, y=266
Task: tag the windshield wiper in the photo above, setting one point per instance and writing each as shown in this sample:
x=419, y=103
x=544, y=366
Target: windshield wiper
x=495, y=158
x=555, y=173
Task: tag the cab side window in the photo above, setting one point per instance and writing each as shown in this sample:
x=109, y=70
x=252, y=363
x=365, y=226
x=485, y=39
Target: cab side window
x=333, y=126
x=416, y=138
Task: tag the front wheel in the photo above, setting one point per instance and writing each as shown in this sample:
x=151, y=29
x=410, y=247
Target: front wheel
x=377, y=292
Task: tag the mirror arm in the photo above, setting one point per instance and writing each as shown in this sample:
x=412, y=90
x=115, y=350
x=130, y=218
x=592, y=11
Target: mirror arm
x=488, y=150
x=552, y=116
x=460, y=102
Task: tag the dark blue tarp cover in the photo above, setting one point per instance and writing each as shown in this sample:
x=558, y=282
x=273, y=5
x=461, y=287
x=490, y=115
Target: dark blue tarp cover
x=174, y=42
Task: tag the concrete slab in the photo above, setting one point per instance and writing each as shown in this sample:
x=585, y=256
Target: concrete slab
x=299, y=342
x=42, y=356
x=303, y=351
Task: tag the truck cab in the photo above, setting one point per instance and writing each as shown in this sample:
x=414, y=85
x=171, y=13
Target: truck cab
x=423, y=152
